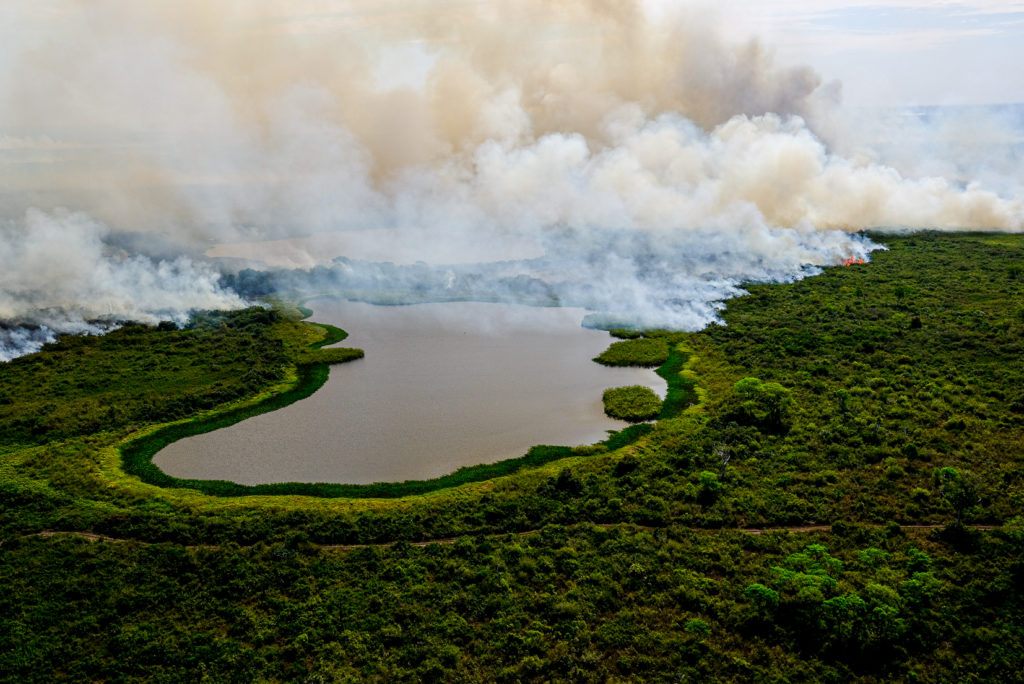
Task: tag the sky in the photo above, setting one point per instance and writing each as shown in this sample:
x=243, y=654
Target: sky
x=897, y=53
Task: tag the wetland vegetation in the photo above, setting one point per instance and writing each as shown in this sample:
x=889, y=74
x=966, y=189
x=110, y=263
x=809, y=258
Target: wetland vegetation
x=639, y=351
x=832, y=492
x=634, y=403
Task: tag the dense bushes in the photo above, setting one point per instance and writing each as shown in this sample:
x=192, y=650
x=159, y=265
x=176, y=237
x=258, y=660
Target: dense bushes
x=82, y=384
x=584, y=603
x=766, y=405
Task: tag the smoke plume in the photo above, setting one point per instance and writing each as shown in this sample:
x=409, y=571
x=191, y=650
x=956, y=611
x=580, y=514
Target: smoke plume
x=67, y=279
x=658, y=164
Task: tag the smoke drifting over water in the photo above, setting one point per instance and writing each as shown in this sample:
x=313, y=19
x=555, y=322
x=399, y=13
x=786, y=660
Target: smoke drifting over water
x=658, y=164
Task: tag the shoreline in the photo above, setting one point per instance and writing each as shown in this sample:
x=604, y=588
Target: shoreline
x=137, y=454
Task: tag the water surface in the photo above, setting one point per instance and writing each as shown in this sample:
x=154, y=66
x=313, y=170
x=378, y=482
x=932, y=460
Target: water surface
x=442, y=386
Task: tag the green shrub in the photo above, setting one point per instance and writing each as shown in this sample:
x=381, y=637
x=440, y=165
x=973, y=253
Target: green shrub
x=762, y=597
x=698, y=627
x=767, y=405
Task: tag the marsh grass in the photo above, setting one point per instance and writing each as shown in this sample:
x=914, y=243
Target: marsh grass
x=646, y=352
x=634, y=403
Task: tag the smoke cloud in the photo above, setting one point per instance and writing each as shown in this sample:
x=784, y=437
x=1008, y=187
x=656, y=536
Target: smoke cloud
x=657, y=164
x=67, y=279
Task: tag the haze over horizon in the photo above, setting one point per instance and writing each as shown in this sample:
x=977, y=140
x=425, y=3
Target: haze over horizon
x=135, y=135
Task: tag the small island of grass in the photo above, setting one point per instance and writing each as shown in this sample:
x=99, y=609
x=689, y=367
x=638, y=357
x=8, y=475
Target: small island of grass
x=633, y=404
x=646, y=352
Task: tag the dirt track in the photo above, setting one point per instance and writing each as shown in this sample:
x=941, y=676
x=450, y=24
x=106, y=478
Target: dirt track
x=796, y=529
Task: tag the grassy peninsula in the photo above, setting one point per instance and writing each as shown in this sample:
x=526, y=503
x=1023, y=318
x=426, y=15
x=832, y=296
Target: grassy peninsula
x=832, y=492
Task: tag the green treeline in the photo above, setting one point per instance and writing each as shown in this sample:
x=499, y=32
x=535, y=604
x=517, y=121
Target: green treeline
x=866, y=400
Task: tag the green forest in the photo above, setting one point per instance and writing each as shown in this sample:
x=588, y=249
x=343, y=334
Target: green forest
x=831, y=491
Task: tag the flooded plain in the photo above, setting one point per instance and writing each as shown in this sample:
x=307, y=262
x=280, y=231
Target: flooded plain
x=442, y=386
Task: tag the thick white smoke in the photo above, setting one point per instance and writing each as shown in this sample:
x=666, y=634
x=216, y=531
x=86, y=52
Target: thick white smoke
x=659, y=164
x=66, y=279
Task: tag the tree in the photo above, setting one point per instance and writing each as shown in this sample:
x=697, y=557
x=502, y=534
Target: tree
x=843, y=398
x=766, y=600
x=958, y=490
x=766, y=404
x=710, y=488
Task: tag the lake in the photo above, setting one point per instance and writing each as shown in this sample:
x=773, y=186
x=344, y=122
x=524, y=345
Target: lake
x=442, y=386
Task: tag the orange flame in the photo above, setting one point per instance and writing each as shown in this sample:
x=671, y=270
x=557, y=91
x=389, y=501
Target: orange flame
x=851, y=261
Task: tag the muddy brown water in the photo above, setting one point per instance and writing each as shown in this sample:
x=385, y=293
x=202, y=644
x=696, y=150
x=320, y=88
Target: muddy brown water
x=442, y=386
